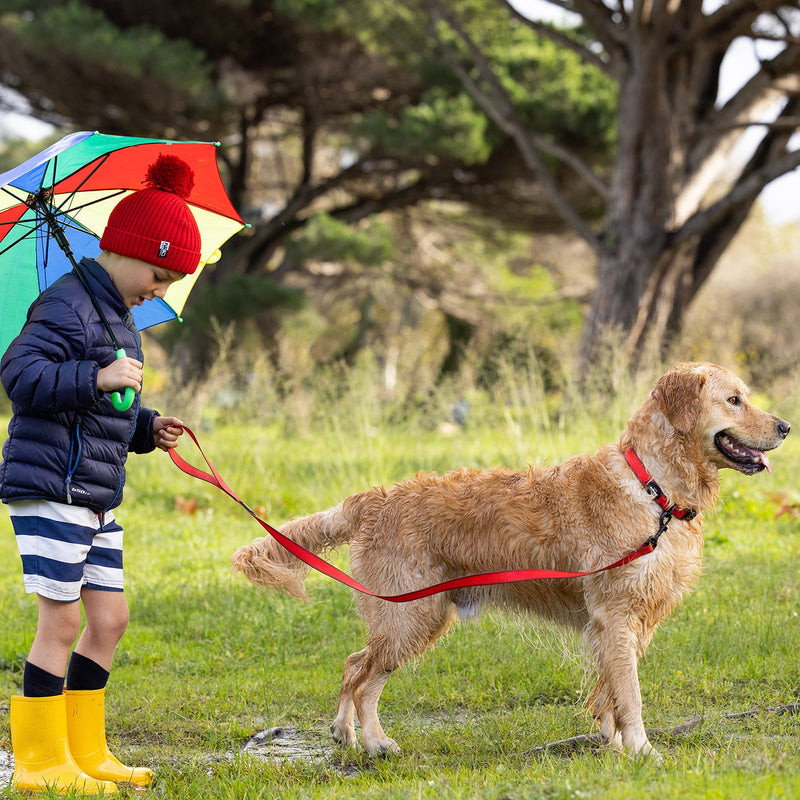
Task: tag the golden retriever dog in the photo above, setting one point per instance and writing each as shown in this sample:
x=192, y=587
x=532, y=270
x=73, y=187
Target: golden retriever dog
x=586, y=513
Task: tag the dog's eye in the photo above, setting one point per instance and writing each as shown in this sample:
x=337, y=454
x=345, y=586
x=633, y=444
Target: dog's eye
x=735, y=400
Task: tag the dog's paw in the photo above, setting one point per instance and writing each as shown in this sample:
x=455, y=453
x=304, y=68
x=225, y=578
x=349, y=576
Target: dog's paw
x=646, y=752
x=653, y=757
x=381, y=747
x=344, y=735
x=611, y=741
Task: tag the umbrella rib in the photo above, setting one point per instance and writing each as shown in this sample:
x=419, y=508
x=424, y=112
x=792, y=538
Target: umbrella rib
x=99, y=163
x=19, y=198
x=34, y=227
x=79, y=207
x=63, y=208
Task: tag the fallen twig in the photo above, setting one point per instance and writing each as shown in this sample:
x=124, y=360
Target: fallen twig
x=591, y=741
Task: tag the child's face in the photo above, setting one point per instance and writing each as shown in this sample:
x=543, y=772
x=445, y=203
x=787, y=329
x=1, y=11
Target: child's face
x=138, y=281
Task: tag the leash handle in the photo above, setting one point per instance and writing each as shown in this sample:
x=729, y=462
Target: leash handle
x=122, y=401
x=326, y=568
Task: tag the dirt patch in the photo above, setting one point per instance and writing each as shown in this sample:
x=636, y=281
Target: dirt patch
x=280, y=745
x=6, y=767
x=287, y=743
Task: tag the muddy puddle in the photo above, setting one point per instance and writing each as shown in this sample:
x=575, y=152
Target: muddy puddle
x=286, y=744
x=280, y=745
x=6, y=768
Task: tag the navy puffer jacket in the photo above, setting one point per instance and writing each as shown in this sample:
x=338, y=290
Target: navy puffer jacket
x=66, y=441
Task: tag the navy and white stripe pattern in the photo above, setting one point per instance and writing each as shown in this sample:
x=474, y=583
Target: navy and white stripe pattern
x=65, y=548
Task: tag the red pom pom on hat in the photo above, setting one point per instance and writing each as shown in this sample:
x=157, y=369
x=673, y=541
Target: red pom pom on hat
x=172, y=174
x=154, y=224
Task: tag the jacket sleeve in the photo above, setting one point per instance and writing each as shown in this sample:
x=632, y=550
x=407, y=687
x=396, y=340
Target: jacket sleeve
x=39, y=370
x=142, y=440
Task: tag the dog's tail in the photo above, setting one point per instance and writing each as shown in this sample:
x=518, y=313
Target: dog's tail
x=267, y=563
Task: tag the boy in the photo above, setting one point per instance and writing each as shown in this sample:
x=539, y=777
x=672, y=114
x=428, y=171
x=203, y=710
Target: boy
x=63, y=471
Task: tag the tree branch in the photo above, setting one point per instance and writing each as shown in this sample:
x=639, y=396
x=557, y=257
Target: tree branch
x=499, y=108
x=592, y=740
x=734, y=18
x=557, y=36
x=746, y=188
x=600, y=20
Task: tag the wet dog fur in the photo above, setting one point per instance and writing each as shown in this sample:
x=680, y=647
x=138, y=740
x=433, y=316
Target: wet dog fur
x=578, y=516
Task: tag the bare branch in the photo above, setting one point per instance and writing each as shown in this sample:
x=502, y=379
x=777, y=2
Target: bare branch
x=500, y=109
x=777, y=78
x=735, y=18
x=558, y=37
x=745, y=189
x=789, y=123
x=600, y=19
x=765, y=86
x=589, y=741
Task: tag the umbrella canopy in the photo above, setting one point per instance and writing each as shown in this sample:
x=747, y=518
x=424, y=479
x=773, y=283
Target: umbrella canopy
x=59, y=201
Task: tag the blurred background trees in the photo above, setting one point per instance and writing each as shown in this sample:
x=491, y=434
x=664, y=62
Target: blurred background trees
x=436, y=183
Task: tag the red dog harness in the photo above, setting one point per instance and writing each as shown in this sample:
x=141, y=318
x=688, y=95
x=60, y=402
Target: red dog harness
x=670, y=510
x=654, y=490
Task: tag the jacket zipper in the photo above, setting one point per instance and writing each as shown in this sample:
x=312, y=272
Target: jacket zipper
x=74, y=458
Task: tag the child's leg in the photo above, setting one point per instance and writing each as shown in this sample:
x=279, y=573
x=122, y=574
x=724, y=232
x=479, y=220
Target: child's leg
x=56, y=630
x=106, y=620
x=39, y=733
x=64, y=547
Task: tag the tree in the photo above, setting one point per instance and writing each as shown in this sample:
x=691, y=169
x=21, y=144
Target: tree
x=676, y=195
x=335, y=108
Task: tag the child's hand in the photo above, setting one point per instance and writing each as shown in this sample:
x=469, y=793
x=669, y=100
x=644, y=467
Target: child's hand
x=119, y=374
x=166, y=431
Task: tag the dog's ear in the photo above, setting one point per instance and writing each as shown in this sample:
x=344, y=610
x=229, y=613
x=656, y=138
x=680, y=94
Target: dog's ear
x=677, y=395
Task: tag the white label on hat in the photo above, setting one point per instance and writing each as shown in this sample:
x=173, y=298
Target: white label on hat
x=163, y=249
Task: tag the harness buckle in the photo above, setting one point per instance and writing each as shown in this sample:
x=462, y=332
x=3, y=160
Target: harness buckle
x=653, y=489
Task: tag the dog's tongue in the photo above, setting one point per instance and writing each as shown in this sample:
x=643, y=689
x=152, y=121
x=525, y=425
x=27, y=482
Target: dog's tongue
x=764, y=460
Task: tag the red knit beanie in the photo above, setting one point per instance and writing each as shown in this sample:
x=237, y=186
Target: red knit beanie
x=154, y=224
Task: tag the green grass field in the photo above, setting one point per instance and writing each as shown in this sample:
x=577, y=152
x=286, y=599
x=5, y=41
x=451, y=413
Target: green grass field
x=210, y=661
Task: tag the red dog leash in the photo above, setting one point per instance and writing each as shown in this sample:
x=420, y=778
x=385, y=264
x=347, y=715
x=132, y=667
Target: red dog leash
x=319, y=564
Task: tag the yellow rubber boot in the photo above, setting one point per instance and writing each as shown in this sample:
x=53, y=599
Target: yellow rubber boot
x=42, y=757
x=86, y=724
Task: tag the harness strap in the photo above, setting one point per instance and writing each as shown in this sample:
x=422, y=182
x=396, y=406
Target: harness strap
x=654, y=490
x=313, y=560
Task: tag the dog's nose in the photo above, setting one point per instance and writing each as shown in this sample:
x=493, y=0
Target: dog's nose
x=783, y=428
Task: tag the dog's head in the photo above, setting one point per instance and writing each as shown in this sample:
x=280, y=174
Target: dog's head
x=710, y=405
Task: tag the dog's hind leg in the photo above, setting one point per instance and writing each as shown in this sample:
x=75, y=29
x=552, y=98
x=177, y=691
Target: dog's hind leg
x=396, y=634
x=343, y=727
x=362, y=684
x=366, y=690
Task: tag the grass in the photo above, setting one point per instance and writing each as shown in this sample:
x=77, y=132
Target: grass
x=208, y=660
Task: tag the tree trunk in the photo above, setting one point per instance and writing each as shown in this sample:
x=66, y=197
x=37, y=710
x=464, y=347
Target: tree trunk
x=677, y=197
x=631, y=267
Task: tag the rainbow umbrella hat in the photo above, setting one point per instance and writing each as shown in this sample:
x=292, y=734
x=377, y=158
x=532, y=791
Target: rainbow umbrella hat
x=54, y=208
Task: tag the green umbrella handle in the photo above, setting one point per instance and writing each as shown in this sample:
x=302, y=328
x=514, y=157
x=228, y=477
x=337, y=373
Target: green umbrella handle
x=118, y=401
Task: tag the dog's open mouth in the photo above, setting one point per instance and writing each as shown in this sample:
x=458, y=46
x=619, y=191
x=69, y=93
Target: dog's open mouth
x=741, y=457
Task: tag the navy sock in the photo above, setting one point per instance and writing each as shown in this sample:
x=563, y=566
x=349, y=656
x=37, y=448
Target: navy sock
x=37, y=682
x=83, y=674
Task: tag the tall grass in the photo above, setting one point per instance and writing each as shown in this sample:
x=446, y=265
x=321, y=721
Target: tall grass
x=209, y=661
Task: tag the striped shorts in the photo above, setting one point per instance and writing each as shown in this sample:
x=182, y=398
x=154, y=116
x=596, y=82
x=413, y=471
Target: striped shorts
x=65, y=548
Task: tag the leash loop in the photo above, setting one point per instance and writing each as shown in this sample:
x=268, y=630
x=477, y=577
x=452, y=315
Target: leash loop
x=319, y=564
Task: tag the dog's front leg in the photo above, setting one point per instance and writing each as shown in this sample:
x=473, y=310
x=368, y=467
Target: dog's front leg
x=618, y=700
